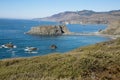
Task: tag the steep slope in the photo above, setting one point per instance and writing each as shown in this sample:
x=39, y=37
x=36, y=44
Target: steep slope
x=96, y=62
x=84, y=17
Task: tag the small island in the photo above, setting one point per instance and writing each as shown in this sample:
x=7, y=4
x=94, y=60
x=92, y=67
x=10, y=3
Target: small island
x=51, y=30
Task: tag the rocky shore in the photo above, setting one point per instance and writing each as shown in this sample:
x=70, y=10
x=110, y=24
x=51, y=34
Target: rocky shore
x=49, y=30
x=113, y=30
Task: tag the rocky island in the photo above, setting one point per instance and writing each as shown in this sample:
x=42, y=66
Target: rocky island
x=49, y=30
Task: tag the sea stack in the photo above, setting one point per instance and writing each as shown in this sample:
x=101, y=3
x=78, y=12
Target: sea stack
x=49, y=30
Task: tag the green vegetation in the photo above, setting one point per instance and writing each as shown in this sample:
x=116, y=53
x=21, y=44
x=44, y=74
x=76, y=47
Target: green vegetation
x=96, y=62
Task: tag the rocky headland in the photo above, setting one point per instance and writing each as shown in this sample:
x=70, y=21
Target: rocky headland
x=113, y=28
x=51, y=30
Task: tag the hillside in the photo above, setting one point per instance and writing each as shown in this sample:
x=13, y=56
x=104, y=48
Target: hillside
x=84, y=17
x=113, y=28
x=96, y=62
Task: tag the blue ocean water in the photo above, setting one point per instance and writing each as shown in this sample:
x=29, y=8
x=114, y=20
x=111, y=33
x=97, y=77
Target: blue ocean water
x=12, y=30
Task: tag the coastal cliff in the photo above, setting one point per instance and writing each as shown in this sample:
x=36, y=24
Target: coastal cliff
x=49, y=30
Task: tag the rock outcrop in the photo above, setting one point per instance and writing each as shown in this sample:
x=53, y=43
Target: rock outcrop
x=49, y=30
x=53, y=46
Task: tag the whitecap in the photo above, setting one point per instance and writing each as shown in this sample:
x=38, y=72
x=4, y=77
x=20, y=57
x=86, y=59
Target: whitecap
x=32, y=52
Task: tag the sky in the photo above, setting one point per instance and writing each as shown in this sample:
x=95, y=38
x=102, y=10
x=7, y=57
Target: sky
x=28, y=9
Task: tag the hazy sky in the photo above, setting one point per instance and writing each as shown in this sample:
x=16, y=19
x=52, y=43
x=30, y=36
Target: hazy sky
x=27, y=9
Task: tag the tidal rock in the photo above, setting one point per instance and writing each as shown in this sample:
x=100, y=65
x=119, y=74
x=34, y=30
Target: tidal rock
x=53, y=46
x=49, y=30
x=8, y=45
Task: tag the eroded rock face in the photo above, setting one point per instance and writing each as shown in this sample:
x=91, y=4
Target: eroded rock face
x=49, y=30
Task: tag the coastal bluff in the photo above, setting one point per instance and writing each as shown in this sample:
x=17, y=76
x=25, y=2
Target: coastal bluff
x=50, y=30
x=113, y=28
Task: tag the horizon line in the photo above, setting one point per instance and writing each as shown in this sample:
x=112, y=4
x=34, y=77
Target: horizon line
x=58, y=13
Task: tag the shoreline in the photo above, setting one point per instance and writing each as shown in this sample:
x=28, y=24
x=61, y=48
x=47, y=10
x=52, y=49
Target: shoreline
x=112, y=37
x=92, y=34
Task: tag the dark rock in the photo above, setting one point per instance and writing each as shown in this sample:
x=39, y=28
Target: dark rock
x=8, y=45
x=99, y=30
x=53, y=46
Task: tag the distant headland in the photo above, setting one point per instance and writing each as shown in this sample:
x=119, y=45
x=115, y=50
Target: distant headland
x=83, y=17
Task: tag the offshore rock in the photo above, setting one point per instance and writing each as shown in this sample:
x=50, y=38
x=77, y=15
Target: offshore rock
x=8, y=45
x=49, y=30
x=53, y=46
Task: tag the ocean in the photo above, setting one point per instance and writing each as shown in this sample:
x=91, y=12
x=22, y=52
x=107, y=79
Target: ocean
x=12, y=30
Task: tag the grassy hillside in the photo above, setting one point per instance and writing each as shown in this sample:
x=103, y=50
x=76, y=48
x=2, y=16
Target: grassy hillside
x=96, y=62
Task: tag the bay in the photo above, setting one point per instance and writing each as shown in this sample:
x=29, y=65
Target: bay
x=12, y=30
